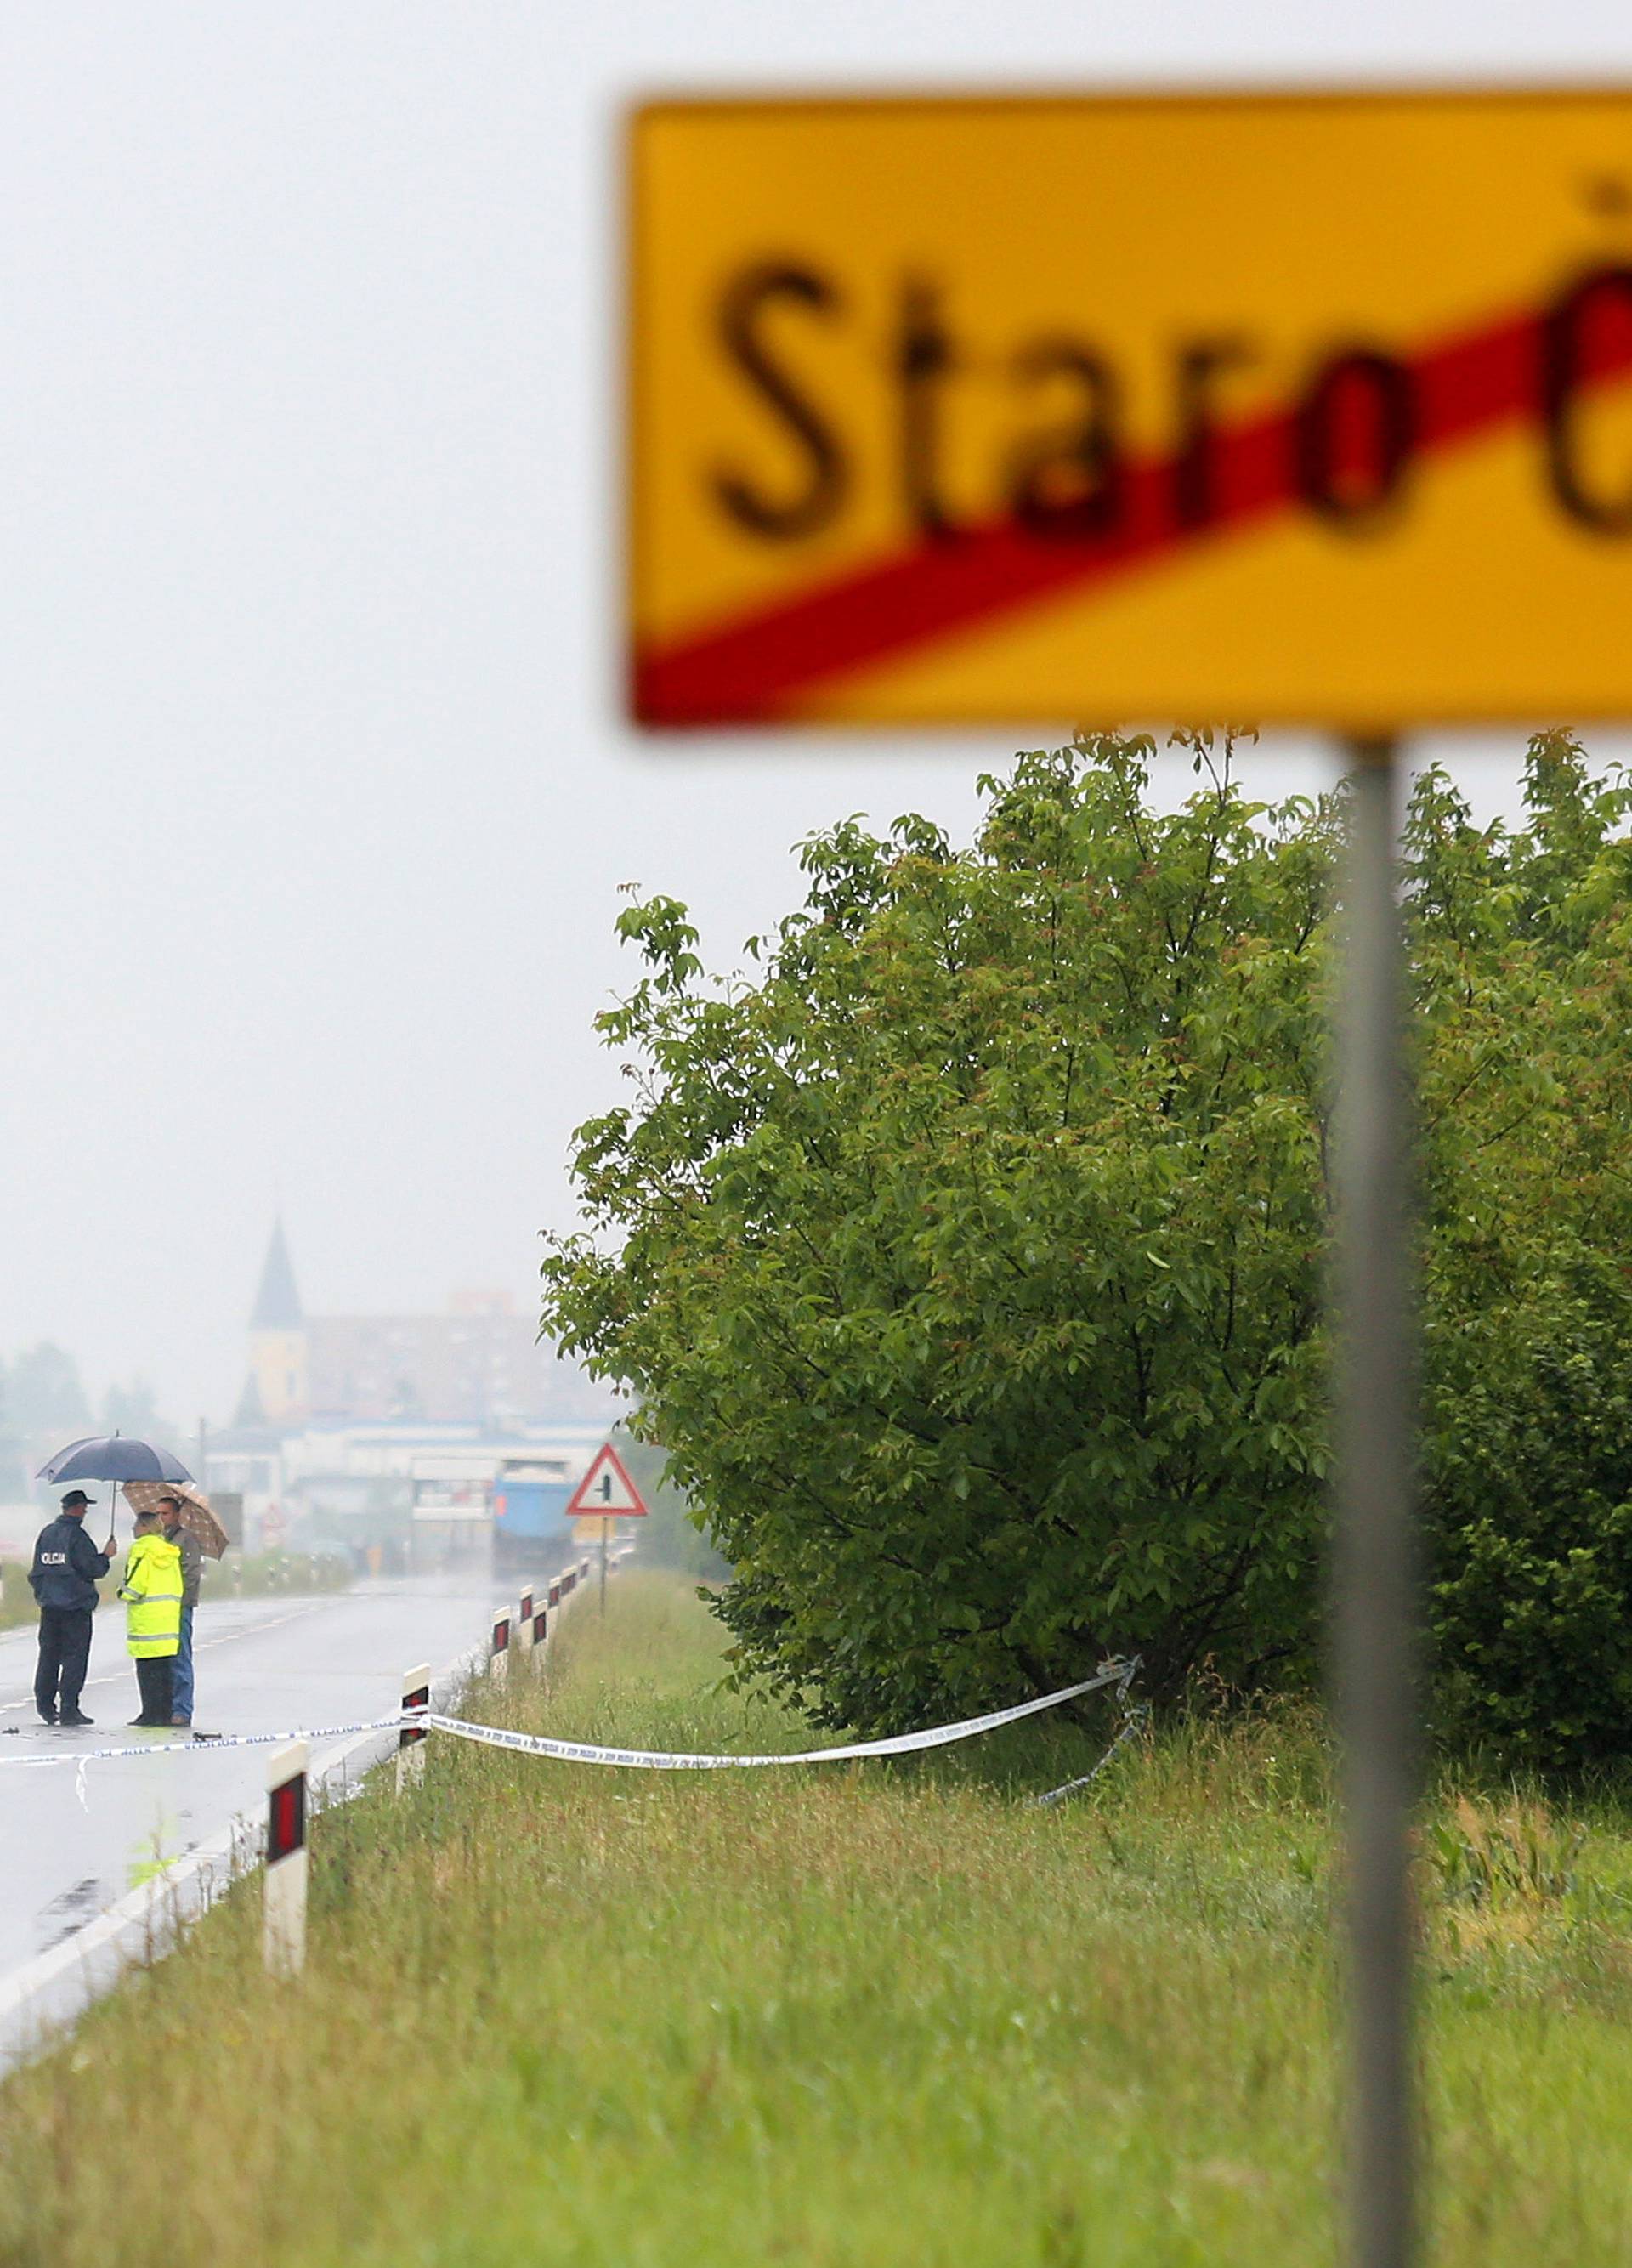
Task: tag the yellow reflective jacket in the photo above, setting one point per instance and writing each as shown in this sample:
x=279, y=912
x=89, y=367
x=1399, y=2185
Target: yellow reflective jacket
x=151, y=1591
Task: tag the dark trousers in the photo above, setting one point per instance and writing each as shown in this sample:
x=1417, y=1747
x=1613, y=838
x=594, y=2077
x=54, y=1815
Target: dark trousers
x=153, y=1676
x=64, y=1655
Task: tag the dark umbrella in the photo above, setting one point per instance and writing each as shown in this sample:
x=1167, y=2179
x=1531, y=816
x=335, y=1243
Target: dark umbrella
x=112, y=1457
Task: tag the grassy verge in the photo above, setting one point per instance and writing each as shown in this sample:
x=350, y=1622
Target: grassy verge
x=852, y=2018
x=16, y=1601
x=266, y=1573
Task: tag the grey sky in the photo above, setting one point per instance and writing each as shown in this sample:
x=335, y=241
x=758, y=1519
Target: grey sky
x=315, y=801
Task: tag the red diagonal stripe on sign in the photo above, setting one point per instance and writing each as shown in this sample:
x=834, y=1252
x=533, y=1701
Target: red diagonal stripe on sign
x=760, y=666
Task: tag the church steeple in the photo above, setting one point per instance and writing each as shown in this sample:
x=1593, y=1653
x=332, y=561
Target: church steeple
x=277, y=1339
x=277, y=1303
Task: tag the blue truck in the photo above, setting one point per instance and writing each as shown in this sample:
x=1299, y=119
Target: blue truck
x=530, y=1522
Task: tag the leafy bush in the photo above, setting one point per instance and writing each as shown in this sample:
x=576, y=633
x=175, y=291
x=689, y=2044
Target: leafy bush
x=671, y=1536
x=969, y=1260
x=1521, y=948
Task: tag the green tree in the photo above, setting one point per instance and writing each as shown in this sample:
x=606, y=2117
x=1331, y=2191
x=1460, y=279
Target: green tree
x=967, y=1262
x=969, y=1259
x=13, y=1478
x=669, y=1535
x=44, y=1393
x=1524, y=981
x=131, y=1409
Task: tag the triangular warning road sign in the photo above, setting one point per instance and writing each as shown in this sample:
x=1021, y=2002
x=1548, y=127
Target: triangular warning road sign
x=606, y=1490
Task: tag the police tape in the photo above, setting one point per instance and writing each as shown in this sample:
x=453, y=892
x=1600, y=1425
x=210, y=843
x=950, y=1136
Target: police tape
x=206, y=1744
x=900, y=1744
x=1117, y=1673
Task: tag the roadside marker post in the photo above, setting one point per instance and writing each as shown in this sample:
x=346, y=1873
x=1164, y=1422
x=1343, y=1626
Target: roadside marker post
x=524, y=1620
x=284, y=1929
x=541, y=1633
x=411, y=1739
x=498, y=1654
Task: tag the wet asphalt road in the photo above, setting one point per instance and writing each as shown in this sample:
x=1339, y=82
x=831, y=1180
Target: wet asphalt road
x=72, y=1843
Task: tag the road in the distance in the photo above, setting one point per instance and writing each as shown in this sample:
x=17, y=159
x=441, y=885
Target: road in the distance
x=72, y=1843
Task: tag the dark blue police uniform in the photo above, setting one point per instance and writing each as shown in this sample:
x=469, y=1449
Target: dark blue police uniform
x=63, y=1580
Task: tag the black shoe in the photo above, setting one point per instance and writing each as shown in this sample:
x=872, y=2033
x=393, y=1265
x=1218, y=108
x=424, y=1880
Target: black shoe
x=45, y=1720
x=78, y=1719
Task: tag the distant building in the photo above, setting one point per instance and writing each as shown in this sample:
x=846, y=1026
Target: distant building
x=480, y=1364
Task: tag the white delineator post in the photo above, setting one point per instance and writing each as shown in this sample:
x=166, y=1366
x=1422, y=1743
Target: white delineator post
x=411, y=1739
x=524, y=1620
x=541, y=1632
x=499, y=1659
x=283, y=1935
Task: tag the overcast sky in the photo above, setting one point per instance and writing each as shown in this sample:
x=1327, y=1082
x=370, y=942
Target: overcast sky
x=315, y=798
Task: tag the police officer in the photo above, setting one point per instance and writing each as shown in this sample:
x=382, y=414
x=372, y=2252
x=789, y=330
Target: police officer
x=63, y=1580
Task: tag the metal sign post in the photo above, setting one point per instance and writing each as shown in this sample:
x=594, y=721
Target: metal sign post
x=606, y=1531
x=1373, y=1568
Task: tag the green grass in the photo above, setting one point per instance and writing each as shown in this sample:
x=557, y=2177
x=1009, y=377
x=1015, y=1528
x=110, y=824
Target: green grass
x=16, y=1601
x=870, y=2016
x=18, y=1604
x=272, y=1573
x=266, y=1573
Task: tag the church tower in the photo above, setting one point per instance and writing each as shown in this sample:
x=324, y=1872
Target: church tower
x=277, y=1338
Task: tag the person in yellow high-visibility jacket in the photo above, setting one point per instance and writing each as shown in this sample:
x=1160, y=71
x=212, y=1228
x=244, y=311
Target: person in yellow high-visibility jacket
x=151, y=1591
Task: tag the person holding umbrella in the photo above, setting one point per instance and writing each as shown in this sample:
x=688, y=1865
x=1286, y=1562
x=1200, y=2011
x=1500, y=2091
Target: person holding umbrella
x=151, y=1590
x=192, y=1551
x=189, y=1521
x=63, y=1580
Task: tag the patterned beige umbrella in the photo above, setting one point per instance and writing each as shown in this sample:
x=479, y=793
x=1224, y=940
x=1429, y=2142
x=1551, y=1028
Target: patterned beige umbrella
x=197, y=1517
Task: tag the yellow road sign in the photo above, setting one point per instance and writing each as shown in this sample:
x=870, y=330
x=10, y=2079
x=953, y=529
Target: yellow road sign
x=1306, y=408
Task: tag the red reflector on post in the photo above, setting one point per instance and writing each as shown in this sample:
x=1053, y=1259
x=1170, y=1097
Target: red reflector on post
x=286, y=1821
x=419, y=1698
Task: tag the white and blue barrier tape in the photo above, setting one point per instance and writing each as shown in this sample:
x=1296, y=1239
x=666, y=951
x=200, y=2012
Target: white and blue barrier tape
x=1118, y=1674
x=900, y=1744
